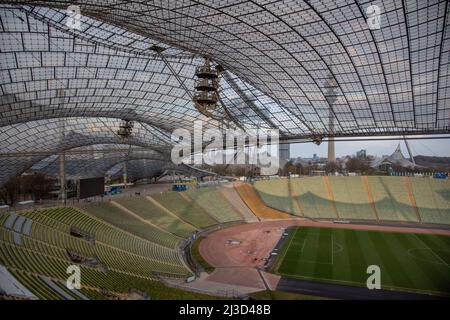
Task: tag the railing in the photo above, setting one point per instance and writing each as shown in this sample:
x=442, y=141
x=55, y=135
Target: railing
x=165, y=275
x=185, y=246
x=230, y=293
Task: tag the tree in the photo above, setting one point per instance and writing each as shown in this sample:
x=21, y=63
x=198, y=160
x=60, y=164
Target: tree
x=332, y=167
x=289, y=167
x=10, y=190
x=359, y=164
x=37, y=185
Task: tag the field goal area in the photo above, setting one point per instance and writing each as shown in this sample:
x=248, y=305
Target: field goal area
x=313, y=247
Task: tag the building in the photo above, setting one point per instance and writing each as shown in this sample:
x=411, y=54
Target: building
x=284, y=152
x=395, y=159
x=361, y=153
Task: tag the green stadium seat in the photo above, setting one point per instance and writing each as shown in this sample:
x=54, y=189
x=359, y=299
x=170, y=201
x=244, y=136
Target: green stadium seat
x=117, y=217
x=157, y=216
x=312, y=196
x=275, y=193
x=213, y=202
x=187, y=210
x=432, y=199
x=391, y=199
x=351, y=199
x=44, y=253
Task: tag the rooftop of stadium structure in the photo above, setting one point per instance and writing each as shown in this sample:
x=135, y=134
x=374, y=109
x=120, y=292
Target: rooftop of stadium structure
x=68, y=89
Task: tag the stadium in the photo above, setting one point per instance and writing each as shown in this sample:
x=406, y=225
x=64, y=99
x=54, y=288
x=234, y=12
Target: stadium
x=112, y=113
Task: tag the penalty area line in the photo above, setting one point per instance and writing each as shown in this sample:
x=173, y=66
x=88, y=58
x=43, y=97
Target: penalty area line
x=432, y=251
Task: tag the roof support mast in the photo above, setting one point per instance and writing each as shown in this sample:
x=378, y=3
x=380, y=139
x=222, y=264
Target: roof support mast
x=62, y=155
x=409, y=150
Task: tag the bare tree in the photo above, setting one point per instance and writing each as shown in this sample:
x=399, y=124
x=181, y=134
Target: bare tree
x=360, y=165
x=332, y=167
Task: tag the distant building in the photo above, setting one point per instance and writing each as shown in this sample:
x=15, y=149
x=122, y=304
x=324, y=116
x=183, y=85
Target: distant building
x=395, y=159
x=344, y=161
x=302, y=161
x=284, y=152
x=361, y=153
x=315, y=157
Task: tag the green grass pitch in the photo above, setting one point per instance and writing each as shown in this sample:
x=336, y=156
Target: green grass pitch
x=408, y=261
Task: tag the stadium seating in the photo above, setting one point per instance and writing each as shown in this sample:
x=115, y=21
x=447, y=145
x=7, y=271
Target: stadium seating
x=351, y=199
x=157, y=216
x=34, y=284
x=41, y=260
x=232, y=197
x=383, y=198
x=34, y=244
x=275, y=193
x=105, y=234
x=211, y=200
x=391, y=199
x=432, y=199
x=254, y=202
x=55, y=243
x=186, y=209
x=124, y=221
x=313, y=197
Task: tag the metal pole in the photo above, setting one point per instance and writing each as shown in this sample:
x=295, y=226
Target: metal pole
x=62, y=177
x=125, y=174
x=331, y=97
x=409, y=151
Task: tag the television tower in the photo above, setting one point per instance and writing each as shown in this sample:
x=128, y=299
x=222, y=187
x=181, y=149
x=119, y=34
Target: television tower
x=331, y=97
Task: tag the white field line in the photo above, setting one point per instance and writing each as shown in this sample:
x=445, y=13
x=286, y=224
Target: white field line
x=445, y=263
x=290, y=242
x=300, y=253
x=332, y=260
x=311, y=233
x=286, y=251
x=303, y=245
x=434, y=253
x=310, y=261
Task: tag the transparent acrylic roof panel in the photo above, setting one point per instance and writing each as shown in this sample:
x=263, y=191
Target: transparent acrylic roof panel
x=98, y=161
x=90, y=77
x=390, y=80
x=278, y=58
x=24, y=144
x=138, y=169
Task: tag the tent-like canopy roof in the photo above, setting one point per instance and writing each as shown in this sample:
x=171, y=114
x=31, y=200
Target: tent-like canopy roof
x=64, y=88
x=396, y=158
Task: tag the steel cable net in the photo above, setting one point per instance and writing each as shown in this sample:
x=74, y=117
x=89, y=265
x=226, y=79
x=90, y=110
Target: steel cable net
x=278, y=57
x=99, y=159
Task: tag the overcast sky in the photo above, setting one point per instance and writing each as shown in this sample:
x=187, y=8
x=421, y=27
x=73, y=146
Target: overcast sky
x=435, y=147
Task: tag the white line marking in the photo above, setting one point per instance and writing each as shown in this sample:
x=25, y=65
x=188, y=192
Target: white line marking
x=303, y=245
x=435, y=254
x=340, y=248
x=410, y=250
x=284, y=253
x=309, y=261
x=332, y=260
x=445, y=263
